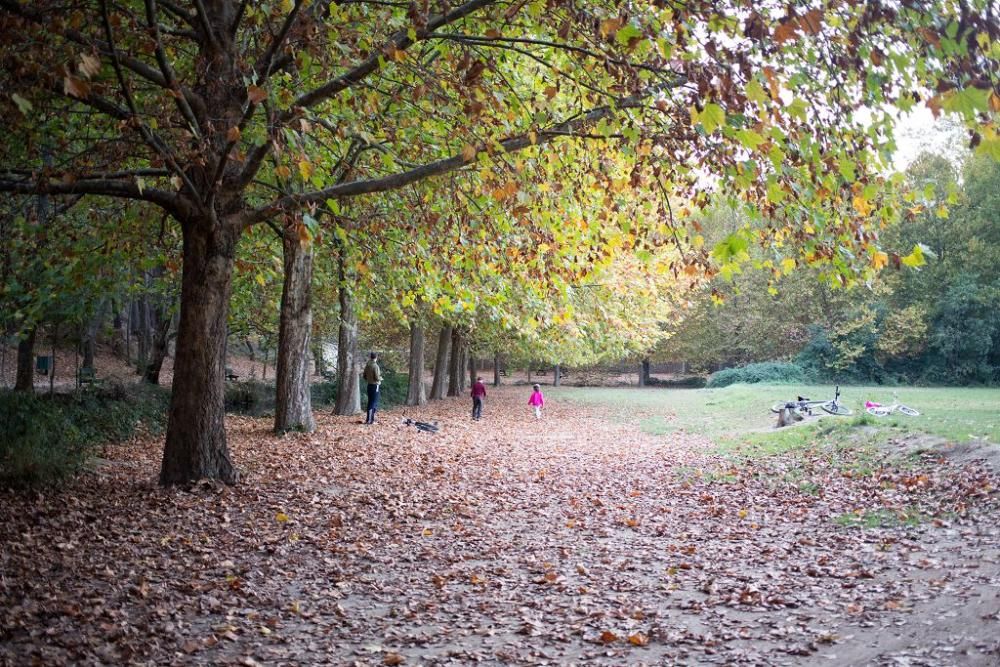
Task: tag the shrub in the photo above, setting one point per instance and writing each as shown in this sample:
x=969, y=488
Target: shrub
x=772, y=372
x=48, y=438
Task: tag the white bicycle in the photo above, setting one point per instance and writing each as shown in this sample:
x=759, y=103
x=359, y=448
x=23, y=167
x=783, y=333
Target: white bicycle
x=879, y=410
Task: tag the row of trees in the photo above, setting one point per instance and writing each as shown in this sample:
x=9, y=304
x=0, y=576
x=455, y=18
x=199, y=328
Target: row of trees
x=535, y=158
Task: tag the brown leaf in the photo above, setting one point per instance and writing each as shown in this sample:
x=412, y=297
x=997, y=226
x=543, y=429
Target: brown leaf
x=233, y=135
x=256, y=95
x=638, y=639
x=76, y=87
x=608, y=637
x=393, y=659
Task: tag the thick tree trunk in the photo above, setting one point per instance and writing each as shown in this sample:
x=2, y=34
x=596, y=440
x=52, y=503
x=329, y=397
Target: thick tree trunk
x=556, y=375
x=196, y=431
x=416, y=394
x=25, y=379
x=348, y=363
x=644, y=373
x=455, y=366
x=441, y=363
x=496, y=370
x=293, y=407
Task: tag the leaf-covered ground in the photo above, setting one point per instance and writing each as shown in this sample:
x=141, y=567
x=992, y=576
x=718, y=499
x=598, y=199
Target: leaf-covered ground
x=572, y=540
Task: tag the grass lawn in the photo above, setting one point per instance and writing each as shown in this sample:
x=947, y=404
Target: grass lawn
x=740, y=415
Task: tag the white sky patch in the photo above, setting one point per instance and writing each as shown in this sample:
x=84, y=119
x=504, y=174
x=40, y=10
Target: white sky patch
x=919, y=132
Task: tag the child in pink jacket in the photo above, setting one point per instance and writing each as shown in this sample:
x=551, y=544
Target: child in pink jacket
x=537, y=401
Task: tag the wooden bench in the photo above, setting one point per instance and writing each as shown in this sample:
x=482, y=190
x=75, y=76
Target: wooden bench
x=86, y=375
x=231, y=374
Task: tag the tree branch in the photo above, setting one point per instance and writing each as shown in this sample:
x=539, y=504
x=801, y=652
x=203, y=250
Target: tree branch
x=398, y=180
x=358, y=73
x=125, y=189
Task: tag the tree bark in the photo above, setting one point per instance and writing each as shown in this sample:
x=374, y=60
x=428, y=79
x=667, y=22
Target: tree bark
x=465, y=363
x=496, y=370
x=25, y=379
x=348, y=363
x=473, y=369
x=161, y=344
x=416, y=393
x=556, y=375
x=293, y=407
x=196, y=431
x=644, y=373
x=438, y=389
x=455, y=367
x=90, y=334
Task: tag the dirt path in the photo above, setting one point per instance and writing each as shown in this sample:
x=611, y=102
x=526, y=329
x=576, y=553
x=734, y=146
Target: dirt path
x=571, y=540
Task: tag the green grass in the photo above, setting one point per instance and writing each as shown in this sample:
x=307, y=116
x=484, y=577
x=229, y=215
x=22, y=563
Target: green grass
x=738, y=417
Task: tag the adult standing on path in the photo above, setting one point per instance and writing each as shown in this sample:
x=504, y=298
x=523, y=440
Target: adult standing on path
x=478, y=394
x=373, y=376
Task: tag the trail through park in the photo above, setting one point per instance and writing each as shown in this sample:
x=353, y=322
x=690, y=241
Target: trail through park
x=576, y=539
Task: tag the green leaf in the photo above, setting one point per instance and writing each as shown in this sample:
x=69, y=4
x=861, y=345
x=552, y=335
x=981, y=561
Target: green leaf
x=23, y=105
x=712, y=117
x=755, y=92
x=627, y=33
x=750, y=139
x=967, y=102
x=915, y=258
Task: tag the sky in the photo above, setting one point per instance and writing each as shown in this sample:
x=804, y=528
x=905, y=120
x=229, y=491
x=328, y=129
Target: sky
x=918, y=131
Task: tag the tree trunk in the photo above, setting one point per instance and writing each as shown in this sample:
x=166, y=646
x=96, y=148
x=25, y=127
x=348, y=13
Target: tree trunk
x=644, y=373
x=455, y=367
x=465, y=363
x=441, y=363
x=25, y=380
x=556, y=375
x=293, y=407
x=319, y=359
x=416, y=394
x=196, y=430
x=496, y=370
x=161, y=344
x=473, y=370
x=348, y=366
x=90, y=334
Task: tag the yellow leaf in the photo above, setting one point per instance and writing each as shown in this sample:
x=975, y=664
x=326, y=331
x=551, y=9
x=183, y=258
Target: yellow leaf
x=788, y=264
x=861, y=205
x=280, y=517
x=879, y=260
x=305, y=169
x=638, y=639
x=742, y=514
x=610, y=26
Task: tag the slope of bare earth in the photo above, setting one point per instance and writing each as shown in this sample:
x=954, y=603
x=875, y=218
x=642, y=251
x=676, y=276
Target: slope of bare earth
x=575, y=539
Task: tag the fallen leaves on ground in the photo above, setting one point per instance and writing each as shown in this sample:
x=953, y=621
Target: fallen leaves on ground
x=574, y=539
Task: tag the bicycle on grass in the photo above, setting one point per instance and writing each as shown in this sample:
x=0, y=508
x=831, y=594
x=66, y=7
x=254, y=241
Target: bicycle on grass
x=879, y=410
x=804, y=407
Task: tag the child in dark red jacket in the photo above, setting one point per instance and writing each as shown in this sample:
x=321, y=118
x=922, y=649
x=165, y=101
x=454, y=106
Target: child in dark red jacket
x=478, y=394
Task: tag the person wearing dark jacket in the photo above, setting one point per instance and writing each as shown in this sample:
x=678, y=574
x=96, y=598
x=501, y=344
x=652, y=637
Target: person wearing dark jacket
x=373, y=378
x=478, y=394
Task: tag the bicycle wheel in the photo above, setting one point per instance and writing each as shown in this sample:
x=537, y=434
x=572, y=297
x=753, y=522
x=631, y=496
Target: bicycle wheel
x=878, y=411
x=835, y=408
x=909, y=412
